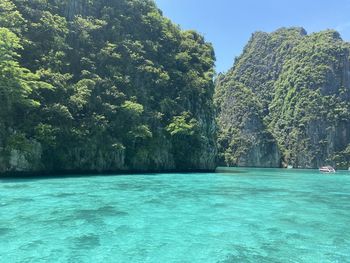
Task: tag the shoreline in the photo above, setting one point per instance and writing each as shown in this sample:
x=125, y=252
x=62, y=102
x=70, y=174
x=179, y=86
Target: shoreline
x=88, y=173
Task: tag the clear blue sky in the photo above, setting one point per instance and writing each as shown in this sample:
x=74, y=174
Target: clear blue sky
x=228, y=24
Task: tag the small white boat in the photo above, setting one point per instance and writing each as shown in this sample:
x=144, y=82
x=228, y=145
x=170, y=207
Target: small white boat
x=290, y=167
x=327, y=169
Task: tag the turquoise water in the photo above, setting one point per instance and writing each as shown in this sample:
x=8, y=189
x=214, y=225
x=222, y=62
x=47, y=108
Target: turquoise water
x=252, y=216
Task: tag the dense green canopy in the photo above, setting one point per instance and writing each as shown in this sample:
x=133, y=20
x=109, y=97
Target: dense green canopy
x=299, y=88
x=102, y=85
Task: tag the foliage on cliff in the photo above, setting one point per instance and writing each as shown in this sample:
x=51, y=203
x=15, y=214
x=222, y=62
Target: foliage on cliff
x=103, y=85
x=303, y=84
x=243, y=139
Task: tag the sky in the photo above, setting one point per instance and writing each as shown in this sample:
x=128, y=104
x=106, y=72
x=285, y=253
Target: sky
x=228, y=24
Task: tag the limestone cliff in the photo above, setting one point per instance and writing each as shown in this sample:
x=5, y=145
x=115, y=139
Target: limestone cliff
x=297, y=86
x=121, y=88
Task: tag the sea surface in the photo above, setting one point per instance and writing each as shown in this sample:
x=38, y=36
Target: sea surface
x=251, y=215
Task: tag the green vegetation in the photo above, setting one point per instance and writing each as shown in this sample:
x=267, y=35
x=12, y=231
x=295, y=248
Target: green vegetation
x=302, y=85
x=113, y=85
x=102, y=85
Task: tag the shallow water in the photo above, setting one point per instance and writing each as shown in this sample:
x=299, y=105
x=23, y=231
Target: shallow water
x=267, y=215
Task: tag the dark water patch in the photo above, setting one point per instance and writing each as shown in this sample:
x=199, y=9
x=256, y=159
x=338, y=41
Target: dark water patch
x=220, y=205
x=5, y=230
x=88, y=215
x=110, y=211
x=339, y=241
x=291, y=220
x=292, y=253
x=23, y=200
x=274, y=231
x=341, y=194
x=59, y=213
x=156, y=201
x=63, y=195
x=254, y=226
x=336, y=256
x=32, y=245
x=98, y=213
x=244, y=254
x=123, y=230
x=316, y=225
x=182, y=194
x=58, y=217
x=88, y=241
x=270, y=247
x=15, y=186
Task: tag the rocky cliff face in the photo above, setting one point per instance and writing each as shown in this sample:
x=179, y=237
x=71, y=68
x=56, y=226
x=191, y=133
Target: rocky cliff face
x=125, y=89
x=301, y=84
x=262, y=61
x=243, y=137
